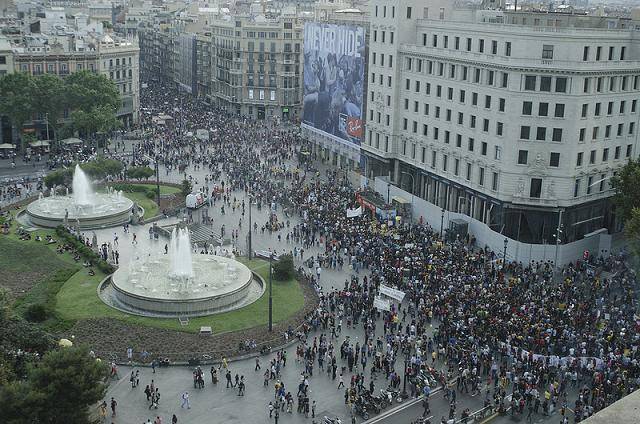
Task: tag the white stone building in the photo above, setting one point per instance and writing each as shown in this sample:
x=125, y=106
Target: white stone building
x=515, y=128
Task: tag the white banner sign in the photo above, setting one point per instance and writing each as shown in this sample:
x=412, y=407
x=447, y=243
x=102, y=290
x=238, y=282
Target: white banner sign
x=382, y=304
x=352, y=213
x=391, y=292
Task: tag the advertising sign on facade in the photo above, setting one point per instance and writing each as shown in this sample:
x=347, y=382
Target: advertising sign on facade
x=334, y=64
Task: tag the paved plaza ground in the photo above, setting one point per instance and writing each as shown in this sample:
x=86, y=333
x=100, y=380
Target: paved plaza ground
x=215, y=403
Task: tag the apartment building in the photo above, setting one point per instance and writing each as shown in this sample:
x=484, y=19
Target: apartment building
x=114, y=57
x=257, y=66
x=517, y=126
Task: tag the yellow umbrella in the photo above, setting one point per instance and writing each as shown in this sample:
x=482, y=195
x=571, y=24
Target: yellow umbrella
x=65, y=343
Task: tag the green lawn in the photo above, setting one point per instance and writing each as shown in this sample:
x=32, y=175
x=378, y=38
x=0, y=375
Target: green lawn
x=149, y=205
x=78, y=300
x=164, y=189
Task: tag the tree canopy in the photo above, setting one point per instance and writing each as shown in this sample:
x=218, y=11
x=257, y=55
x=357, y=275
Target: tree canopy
x=92, y=99
x=17, y=92
x=96, y=169
x=58, y=389
x=627, y=200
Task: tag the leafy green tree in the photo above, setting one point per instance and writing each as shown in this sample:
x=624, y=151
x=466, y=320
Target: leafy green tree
x=17, y=100
x=86, y=90
x=97, y=119
x=632, y=231
x=58, y=177
x=102, y=167
x=186, y=187
x=283, y=268
x=51, y=100
x=627, y=188
x=627, y=201
x=60, y=389
x=140, y=172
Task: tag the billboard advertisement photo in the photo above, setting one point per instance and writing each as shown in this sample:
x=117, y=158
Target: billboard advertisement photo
x=334, y=64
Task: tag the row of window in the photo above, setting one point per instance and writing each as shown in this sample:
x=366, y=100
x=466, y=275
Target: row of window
x=457, y=72
x=383, y=36
x=543, y=109
x=544, y=83
x=605, y=155
x=117, y=62
x=599, y=53
x=541, y=133
x=272, y=48
x=53, y=68
x=374, y=59
x=597, y=109
x=261, y=94
x=548, y=84
x=468, y=44
x=456, y=168
x=592, y=184
x=612, y=84
x=123, y=88
x=595, y=132
x=119, y=75
x=416, y=87
x=473, y=123
x=554, y=157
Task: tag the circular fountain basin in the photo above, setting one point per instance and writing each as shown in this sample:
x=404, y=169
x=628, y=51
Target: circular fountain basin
x=106, y=210
x=218, y=284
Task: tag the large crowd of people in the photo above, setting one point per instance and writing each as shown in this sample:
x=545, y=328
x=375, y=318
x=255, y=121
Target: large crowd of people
x=519, y=333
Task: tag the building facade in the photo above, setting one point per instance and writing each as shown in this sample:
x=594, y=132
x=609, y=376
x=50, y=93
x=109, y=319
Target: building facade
x=257, y=66
x=346, y=156
x=516, y=126
x=117, y=59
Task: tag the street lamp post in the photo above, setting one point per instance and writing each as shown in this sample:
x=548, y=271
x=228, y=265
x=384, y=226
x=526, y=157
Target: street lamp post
x=441, y=223
x=413, y=189
x=558, y=236
x=504, y=256
x=388, y=188
x=404, y=380
x=46, y=115
x=250, y=228
x=158, y=180
x=270, y=294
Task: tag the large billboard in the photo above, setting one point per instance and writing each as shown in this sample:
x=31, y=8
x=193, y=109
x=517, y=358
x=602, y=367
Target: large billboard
x=334, y=80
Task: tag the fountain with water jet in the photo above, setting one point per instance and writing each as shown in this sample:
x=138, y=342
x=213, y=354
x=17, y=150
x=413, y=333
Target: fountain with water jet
x=83, y=205
x=181, y=284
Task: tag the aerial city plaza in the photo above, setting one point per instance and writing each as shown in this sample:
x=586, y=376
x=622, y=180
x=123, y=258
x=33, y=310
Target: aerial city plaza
x=319, y=211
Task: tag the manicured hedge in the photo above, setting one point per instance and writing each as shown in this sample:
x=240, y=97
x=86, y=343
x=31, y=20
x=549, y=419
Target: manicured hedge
x=84, y=251
x=149, y=191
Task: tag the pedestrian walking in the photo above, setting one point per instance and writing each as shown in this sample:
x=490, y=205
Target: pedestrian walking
x=114, y=404
x=185, y=400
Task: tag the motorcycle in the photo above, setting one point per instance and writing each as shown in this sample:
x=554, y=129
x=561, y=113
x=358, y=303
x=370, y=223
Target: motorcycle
x=370, y=405
x=328, y=420
x=378, y=401
x=391, y=395
x=361, y=410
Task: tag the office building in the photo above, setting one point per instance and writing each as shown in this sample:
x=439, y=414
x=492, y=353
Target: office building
x=516, y=126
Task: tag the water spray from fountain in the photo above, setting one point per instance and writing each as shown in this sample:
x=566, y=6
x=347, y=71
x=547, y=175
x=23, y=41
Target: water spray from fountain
x=180, y=255
x=82, y=192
